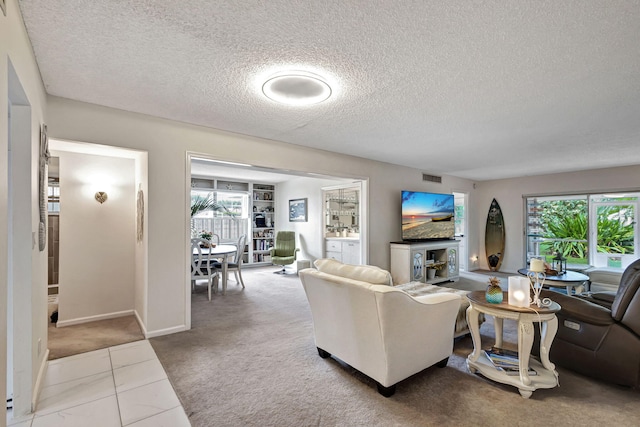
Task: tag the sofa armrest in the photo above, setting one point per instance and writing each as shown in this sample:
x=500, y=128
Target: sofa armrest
x=604, y=299
x=604, y=296
x=436, y=298
x=581, y=310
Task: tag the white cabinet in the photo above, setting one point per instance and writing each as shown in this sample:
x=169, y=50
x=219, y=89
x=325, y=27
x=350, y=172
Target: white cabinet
x=333, y=249
x=351, y=252
x=427, y=262
x=343, y=249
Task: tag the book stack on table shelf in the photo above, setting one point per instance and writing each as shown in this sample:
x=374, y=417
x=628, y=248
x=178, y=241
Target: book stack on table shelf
x=506, y=361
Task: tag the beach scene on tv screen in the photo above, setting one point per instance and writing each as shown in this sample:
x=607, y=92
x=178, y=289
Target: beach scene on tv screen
x=427, y=216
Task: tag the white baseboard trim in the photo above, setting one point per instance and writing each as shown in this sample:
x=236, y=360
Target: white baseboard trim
x=167, y=331
x=79, y=320
x=44, y=364
x=143, y=328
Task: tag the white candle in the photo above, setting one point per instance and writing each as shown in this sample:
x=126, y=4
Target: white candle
x=519, y=291
x=537, y=265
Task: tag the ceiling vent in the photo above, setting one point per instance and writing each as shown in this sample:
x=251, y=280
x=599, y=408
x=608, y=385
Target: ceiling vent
x=431, y=178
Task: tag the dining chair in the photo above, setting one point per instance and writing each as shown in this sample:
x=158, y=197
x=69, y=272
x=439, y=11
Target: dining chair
x=202, y=265
x=236, y=264
x=215, y=239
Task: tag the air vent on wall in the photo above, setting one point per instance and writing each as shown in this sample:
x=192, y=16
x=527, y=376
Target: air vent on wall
x=431, y=178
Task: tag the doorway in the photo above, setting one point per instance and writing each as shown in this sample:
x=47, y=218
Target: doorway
x=205, y=172
x=53, y=238
x=96, y=234
x=344, y=224
x=460, y=201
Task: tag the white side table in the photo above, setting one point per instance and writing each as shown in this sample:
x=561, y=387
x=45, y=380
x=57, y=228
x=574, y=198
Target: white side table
x=546, y=377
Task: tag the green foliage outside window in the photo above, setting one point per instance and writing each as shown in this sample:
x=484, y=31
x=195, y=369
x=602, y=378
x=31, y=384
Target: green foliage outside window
x=615, y=229
x=200, y=204
x=568, y=220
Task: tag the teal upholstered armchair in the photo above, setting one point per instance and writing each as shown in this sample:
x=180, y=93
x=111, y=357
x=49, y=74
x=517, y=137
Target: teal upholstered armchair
x=284, y=252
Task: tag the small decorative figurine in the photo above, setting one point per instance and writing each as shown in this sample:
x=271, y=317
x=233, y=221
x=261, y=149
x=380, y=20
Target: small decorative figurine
x=494, y=291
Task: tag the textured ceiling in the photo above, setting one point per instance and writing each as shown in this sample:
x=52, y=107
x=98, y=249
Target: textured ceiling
x=476, y=89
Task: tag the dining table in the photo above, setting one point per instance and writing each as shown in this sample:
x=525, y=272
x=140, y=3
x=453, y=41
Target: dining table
x=222, y=252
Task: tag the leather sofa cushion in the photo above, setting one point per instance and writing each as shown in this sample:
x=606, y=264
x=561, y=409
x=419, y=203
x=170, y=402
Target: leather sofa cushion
x=604, y=299
x=364, y=273
x=607, y=297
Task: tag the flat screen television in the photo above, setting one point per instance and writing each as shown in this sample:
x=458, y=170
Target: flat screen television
x=427, y=216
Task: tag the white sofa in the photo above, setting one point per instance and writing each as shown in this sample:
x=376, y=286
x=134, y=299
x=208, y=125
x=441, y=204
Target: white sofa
x=381, y=331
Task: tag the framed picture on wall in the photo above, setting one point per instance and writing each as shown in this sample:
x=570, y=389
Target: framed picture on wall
x=298, y=210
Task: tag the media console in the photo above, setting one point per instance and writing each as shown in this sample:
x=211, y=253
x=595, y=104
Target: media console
x=427, y=262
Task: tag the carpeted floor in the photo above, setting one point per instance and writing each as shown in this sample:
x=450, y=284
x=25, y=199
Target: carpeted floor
x=91, y=336
x=250, y=360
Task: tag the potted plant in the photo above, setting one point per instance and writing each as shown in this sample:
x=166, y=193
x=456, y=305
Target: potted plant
x=206, y=235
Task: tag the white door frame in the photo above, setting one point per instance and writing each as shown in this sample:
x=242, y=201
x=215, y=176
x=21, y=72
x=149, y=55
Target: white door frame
x=20, y=246
x=463, y=251
x=599, y=259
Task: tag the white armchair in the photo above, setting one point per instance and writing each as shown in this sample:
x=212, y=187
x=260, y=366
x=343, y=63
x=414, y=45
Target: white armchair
x=381, y=331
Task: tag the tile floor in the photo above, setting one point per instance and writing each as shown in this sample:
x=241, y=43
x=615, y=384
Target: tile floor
x=119, y=386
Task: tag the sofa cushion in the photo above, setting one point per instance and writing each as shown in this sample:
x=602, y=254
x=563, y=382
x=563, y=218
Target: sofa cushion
x=604, y=279
x=364, y=273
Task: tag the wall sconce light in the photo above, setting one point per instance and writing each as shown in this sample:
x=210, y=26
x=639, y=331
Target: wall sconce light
x=519, y=291
x=101, y=197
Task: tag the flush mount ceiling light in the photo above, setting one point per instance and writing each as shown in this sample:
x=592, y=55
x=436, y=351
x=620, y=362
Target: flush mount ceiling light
x=296, y=88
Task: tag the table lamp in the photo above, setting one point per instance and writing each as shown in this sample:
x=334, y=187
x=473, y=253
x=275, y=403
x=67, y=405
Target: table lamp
x=519, y=291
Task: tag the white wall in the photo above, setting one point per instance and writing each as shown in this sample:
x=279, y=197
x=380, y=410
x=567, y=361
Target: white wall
x=167, y=143
x=15, y=49
x=509, y=194
x=309, y=234
x=97, y=241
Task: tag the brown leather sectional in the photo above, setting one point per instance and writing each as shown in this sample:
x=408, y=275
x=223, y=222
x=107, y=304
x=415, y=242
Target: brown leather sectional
x=598, y=341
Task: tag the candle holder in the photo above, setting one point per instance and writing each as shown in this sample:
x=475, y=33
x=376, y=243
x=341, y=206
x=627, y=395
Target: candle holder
x=559, y=263
x=537, y=278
